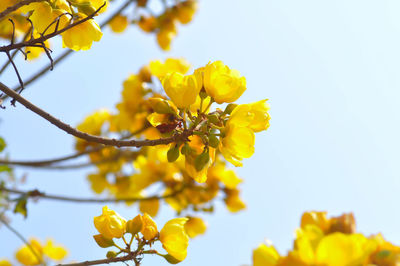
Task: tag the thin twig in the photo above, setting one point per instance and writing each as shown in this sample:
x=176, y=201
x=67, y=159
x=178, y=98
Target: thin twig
x=42, y=163
x=38, y=194
x=44, y=38
x=16, y=6
x=68, y=52
x=91, y=138
x=21, y=83
x=23, y=239
x=128, y=257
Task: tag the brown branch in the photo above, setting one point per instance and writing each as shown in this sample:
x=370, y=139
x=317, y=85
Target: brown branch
x=38, y=194
x=45, y=163
x=91, y=138
x=68, y=52
x=10, y=9
x=44, y=38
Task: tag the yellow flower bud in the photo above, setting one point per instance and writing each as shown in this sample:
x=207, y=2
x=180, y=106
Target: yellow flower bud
x=174, y=238
x=119, y=23
x=147, y=24
x=253, y=115
x=223, y=84
x=149, y=229
x=135, y=225
x=316, y=218
x=83, y=35
x=195, y=226
x=110, y=224
x=265, y=256
x=162, y=106
x=182, y=90
x=186, y=11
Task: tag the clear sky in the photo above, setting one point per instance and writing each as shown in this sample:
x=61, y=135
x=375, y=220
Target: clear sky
x=330, y=70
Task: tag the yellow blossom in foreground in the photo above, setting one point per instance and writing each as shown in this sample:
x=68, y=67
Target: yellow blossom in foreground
x=119, y=23
x=195, y=226
x=83, y=35
x=160, y=69
x=224, y=85
x=110, y=224
x=265, y=256
x=182, y=90
x=174, y=238
x=238, y=143
x=253, y=115
x=43, y=15
x=149, y=229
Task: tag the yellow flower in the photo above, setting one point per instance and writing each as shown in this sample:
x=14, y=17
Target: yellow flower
x=174, y=238
x=160, y=69
x=347, y=250
x=43, y=15
x=186, y=11
x=227, y=176
x=265, y=255
x=182, y=90
x=195, y=226
x=164, y=39
x=196, y=148
x=233, y=201
x=110, y=224
x=223, y=84
x=315, y=218
x=149, y=229
x=32, y=255
x=119, y=23
x=238, y=143
x=54, y=252
x=4, y=262
x=83, y=35
x=253, y=115
x=94, y=5
x=149, y=206
x=147, y=24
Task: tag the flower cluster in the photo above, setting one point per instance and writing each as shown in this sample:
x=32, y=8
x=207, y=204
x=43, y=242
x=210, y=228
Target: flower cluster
x=49, y=16
x=193, y=171
x=36, y=254
x=143, y=233
x=165, y=24
x=331, y=242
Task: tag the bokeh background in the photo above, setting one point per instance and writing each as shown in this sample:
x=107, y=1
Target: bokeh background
x=331, y=72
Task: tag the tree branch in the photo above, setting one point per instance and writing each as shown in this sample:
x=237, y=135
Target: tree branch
x=91, y=138
x=66, y=53
x=38, y=194
x=44, y=38
x=128, y=257
x=16, y=6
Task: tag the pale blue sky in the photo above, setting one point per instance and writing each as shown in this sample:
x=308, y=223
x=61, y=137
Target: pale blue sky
x=330, y=70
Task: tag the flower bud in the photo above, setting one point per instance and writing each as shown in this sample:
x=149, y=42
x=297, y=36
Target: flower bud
x=102, y=241
x=214, y=118
x=111, y=254
x=229, y=108
x=201, y=161
x=149, y=229
x=135, y=225
x=213, y=141
x=110, y=224
x=162, y=106
x=173, y=154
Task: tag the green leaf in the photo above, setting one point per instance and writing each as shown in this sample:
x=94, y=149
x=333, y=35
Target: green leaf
x=20, y=207
x=2, y=144
x=171, y=259
x=173, y=154
x=102, y=241
x=5, y=168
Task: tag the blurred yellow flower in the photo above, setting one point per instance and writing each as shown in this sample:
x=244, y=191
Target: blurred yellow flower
x=150, y=206
x=30, y=255
x=119, y=23
x=265, y=255
x=110, y=224
x=4, y=262
x=160, y=69
x=195, y=226
x=174, y=238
